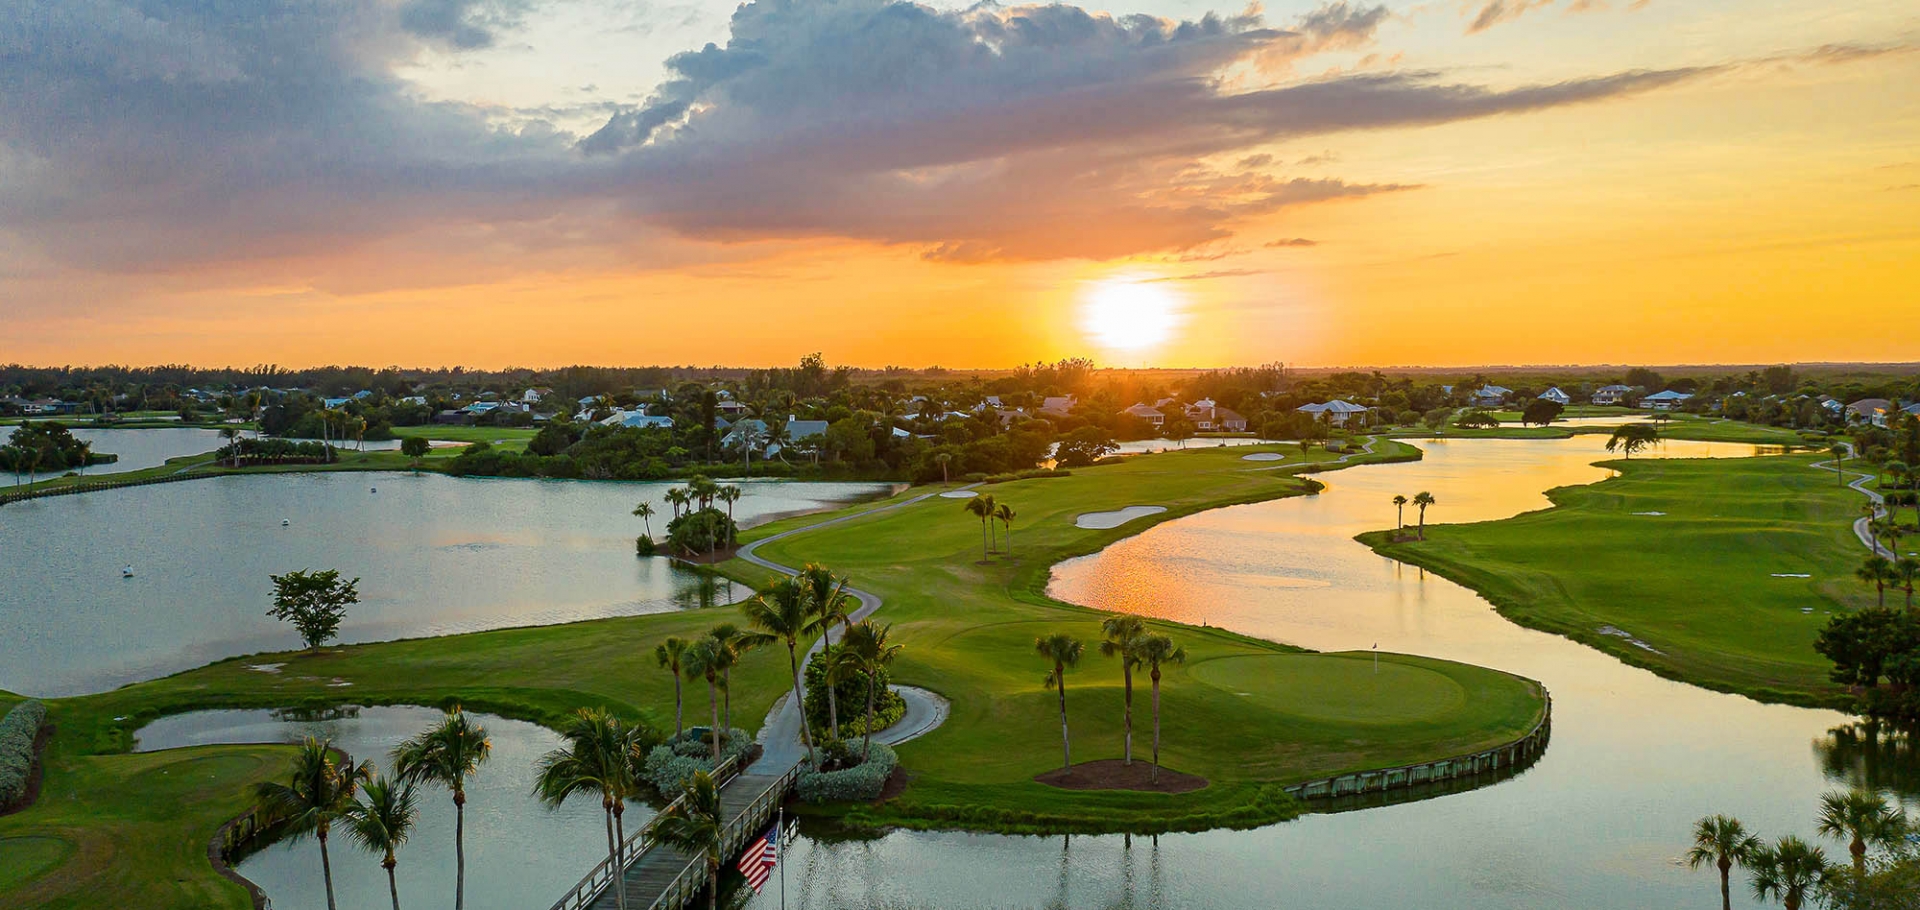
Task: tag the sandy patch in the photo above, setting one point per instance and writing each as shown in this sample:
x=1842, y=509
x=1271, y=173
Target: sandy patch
x=1264, y=456
x=1100, y=521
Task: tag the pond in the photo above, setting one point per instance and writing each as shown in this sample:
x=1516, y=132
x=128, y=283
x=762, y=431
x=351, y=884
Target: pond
x=137, y=449
x=436, y=555
x=519, y=853
x=1600, y=821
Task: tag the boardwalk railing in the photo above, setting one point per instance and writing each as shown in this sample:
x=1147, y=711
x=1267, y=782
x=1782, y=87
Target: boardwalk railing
x=688, y=883
x=636, y=844
x=1499, y=758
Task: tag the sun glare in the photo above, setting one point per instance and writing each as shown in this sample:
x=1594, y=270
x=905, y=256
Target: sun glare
x=1129, y=314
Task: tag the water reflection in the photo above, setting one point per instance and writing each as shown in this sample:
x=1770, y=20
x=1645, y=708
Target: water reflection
x=1874, y=755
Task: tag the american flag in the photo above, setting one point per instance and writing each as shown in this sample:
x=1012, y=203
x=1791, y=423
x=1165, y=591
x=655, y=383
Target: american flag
x=758, y=860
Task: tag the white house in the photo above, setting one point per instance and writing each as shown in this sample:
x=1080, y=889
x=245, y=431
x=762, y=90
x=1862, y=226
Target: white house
x=1151, y=415
x=1490, y=395
x=1608, y=395
x=1870, y=410
x=1665, y=401
x=535, y=395
x=1556, y=396
x=639, y=420
x=1336, y=411
x=1057, y=405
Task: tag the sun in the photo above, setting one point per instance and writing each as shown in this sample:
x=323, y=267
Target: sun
x=1130, y=314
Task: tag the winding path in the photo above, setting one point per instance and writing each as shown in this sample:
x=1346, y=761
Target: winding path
x=1863, y=526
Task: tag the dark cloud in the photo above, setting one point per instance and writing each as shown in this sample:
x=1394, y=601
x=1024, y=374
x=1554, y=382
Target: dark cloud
x=1292, y=241
x=462, y=24
x=1498, y=11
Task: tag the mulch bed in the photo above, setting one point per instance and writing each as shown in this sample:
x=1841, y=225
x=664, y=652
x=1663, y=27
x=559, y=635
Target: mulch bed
x=1114, y=774
x=896, y=784
x=33, y=777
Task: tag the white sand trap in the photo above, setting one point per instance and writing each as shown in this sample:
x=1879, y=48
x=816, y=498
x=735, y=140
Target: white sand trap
x=1100, y=521
x=957, y=494
x=1264, y=456
x=265, y=668
x=1791, y=575
x=1656, y=514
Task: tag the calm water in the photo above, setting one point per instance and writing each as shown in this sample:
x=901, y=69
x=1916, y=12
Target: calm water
x=519, y=854
x=1599, y=822
x=436, y=555
x=137, y=448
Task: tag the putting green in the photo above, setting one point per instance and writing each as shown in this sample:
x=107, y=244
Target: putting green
x=1338, y=688
x=23, y=859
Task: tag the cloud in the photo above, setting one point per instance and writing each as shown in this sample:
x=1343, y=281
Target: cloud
x=1498, y=11
x=1207, y=276
x=1292, y=241
x=461, y=24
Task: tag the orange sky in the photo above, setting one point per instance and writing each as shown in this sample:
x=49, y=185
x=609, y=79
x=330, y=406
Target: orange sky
x=1768, y=210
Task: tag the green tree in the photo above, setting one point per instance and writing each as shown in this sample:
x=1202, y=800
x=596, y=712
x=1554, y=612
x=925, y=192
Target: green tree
x=1061, y=651
x=1723, y=843
x=381, y=822
x=317, y=793
x=830, y=603
x=671, y=655
x=780, y=612
x=445, y=756
x=1422, y=500
x=695, y=824
x=981, y=505
x=1120, y=637
x=1084, y=446
x=1004, y=514
x=1862, y=642
x=1907, y=569
x=1787, y=871
x=314, y=602
x=1839, y=453
x=1399, y=512
x=1158, y=651
x=1631, y=438
x=1877, y=571
x=866, y=648
x=231, y=434
x=1540, y=412
x=710, y=659
x=1178, y=429
x=731, y=494
x=1860, y=817
x=598, y=759
x=416, y=448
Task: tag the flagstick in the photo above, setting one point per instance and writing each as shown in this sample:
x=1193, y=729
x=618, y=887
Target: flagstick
x=780, y=852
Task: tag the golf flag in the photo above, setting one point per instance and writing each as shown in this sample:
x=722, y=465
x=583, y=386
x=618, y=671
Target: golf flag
x=758, y=861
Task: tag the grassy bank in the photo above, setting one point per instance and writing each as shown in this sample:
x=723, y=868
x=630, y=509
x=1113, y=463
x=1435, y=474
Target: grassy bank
x=1680, y=426
x=1249, y=715
x=1697, y=582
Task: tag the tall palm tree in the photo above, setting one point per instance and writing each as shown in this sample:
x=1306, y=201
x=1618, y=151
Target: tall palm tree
x=381, y=821
x=1399, y=512
x=645, y=513
x=1062, y=651
x=982, y=505
x=446, y=756
x=1877, y=571
x=318, y=792
x=597, y=760
x=735, y=644
x=1005, y=514
x=1907, y=570
x=1858, y=817
x=695, y=824
x=830, y=603
x=1839, y=453
x=781, y=614
x=671, y=655
x=1423, y=499
x=1787, y=871
x=1120, y=637
x=677, y=498
x=943, y=458
x=231, y=434
x=731, y=494
x=866, y=648
x=1889, y=528
x=1722, y=842
x=708, y=659
x=1158, y=651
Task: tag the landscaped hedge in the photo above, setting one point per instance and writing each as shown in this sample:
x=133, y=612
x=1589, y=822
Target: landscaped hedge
x=672, y=763
x=863, y=781
x=18, y=730
x=1032, y=474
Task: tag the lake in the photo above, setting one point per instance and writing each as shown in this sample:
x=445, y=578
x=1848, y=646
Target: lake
x=137, y=449
x=437, y=555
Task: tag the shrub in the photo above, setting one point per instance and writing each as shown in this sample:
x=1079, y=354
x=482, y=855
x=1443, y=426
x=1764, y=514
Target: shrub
x=850, y=696
x=1033, y=474
x=644, y=546
x=670, y=764
x=18, y=730
x=863, y=781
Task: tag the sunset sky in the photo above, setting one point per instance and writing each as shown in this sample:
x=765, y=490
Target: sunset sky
x=1164, y=183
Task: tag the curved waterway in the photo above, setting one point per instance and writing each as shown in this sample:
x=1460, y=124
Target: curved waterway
x=437, y=555
x=519, y=854
x=1599, y=821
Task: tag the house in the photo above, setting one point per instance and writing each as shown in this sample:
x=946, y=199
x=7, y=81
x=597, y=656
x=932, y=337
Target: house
x=1665, y=401
x=1556, y=396
x=1336, y=412
x=730, y=408
x=536, y=394
x=1491, y=396
x=332, y=403
x=1154, y=416
x=1608, y=395
x=638, y=420
x=414, y=399
x=1058, y=405
x=453, y=417
x=1208, y=417
x=1912, y=409
x=363, y=395
x=1870, y=410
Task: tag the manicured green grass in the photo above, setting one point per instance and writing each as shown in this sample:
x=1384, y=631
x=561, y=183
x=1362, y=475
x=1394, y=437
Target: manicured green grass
x=1681, y=426
x=1697, y=583
x=1248, y=715
x=24, y=858
x=510, y=438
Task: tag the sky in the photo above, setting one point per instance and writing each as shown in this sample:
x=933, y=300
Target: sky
x=1166, y=183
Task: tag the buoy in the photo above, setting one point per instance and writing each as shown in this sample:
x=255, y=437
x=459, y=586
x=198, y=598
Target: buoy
x=285, y=521
x=126, y=572
x=373, y=489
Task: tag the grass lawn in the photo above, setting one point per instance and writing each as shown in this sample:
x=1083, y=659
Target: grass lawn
x=1248, y=715
x=1696, y=582
x=508, y=438
x=1682, y=426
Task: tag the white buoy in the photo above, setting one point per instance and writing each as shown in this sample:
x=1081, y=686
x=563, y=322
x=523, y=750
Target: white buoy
x=285, y=521
x=126, y=572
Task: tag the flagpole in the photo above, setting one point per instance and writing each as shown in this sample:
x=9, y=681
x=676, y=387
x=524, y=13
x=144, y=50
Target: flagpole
x=780, y=852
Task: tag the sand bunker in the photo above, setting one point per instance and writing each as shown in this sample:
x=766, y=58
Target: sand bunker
x=958, y=494
x=1264, y=456
x=1100, y=521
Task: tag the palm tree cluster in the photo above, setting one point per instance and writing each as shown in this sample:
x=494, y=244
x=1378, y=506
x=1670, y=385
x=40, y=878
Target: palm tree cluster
x=1127, y=638
x=603, y=757
x=1884, y=573
x=377, y=811
x=1791, y=870
x=1421, y=501
x=983, y=506
x=699, y=495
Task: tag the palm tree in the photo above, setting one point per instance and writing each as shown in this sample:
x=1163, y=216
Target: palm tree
x=231, y=434
x=828, y=599
x=319, y=791
x=1063, y=651
x=1158, y=651
x=597, y=759
x=645, y=512
x=1120, y=637
x=1722, y=842
x=943, y=458
x=671, y=655
x=447, y=755
x=781, y=614
x=1399, y=513
x=1787, y=871
x=381, y=822
x=1887, y=527
x=730, y=494
x=1839, y=453
x=865, y=648
x=1005, y=514
x=1423, y=499
x=735, y=644
x=982, y=505
x=1858, y=816
x=1907, y=569
x=677, y=498
x=1877, y=571
x=709, y=659
x=695, y=824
